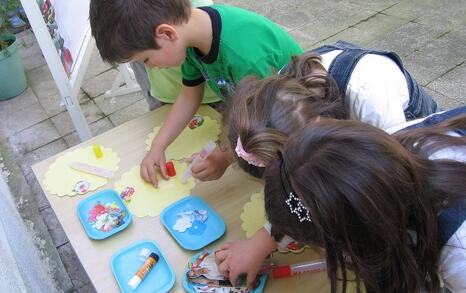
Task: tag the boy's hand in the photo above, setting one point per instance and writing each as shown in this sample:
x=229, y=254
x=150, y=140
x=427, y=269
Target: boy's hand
x=245, y=257
x=213, y=167
x=153, y=161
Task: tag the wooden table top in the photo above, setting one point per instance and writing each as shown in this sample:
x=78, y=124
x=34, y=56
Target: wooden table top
x=226, y=196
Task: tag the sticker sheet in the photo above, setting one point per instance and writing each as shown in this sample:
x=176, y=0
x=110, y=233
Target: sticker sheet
x=143, y=199
x=61, y=179
x=199, y=131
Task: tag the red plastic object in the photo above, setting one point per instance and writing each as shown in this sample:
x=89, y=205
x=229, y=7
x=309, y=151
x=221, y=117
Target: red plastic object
x=170, y=169
x=281, y=272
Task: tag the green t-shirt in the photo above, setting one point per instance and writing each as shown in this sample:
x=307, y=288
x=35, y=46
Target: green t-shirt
x=244, y=43
x=165, y=83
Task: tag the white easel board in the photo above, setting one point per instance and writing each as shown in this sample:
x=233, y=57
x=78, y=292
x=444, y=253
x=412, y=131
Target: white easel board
x=63, y=32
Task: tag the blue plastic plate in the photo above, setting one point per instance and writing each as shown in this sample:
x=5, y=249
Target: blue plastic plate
x=198, y=236
x=104, y=197
x=126, y=262
x=189, y=286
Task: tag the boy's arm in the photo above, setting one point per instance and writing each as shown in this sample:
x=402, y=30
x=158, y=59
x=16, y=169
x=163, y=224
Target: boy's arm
x=183, y=109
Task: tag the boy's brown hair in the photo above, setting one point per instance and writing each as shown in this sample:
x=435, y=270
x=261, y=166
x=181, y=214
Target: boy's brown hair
x=122, y=28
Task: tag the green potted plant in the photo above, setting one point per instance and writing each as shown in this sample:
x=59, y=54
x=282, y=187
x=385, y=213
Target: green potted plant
x=12, y=74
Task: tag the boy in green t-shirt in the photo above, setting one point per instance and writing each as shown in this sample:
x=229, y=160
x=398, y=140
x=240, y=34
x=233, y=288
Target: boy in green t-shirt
x=217, y=44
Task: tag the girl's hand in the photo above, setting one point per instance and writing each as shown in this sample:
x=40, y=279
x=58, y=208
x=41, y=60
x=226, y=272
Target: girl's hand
x=245, y=257
x=213, y=167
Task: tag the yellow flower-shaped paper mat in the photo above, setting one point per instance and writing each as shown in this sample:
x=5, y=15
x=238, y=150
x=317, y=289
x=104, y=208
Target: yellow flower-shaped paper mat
x=189, y=141
x=61, y=179
x=150, y=201
x=253, y=215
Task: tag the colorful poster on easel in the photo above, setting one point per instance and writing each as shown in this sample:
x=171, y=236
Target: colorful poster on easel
x=67, y=22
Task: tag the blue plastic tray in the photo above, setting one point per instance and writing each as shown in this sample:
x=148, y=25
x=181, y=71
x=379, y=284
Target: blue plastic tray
x=189, y=286
x=206, y=233
x=126, y=262
x=104, y=196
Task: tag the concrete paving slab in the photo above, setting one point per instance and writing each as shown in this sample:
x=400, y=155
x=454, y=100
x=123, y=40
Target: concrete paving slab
x=74, y=268
x=98, y=85
x=98, y=127
x=413, y=9
x=24, y=118
x=408, y=38
x=129, y=113
x=53, y=225
x=27, y=37
x=448, y=83
x=27, y=206
x=41, y=154
x=369, y=30
x=63, y=121
x=437, y=57
x=42, y=84
x=322, y=27
x=109, y=105
x=445, y=102
x=25, y=99
x=96, y=66
x=42, y=201
x=34, y=137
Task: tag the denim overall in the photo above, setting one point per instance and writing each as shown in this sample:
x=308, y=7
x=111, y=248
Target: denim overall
x=420, y=103
x=451, y=218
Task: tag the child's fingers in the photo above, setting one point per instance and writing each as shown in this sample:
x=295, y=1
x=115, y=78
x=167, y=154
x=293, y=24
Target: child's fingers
x=199, y=167
x=143, y=173
x=226, y=246
x=220, y=256
x=151, y=173
x=224, y=269
x=191, y=158
x=251, y=281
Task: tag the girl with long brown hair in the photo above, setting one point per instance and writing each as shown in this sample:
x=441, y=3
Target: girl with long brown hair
x=391, y=208
x=416, y=167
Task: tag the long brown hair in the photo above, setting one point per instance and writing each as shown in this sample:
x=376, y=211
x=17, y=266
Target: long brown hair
x=264, y=112
x=372, y=198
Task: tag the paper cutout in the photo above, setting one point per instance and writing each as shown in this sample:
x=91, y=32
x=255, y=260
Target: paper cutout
x=254, y=218
x=61, y=179
x=203, y=272
x=293, y=246
x=126, y=194
x=190, y=141
x=191, y=219
x=105, y=217
x=81, y=186
x=149, y=201
x=253, y=215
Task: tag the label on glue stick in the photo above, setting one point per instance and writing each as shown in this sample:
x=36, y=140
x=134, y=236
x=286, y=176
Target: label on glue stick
x=143, y=270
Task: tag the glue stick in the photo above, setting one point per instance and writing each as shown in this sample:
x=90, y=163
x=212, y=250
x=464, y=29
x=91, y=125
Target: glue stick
x=143, y=270
x=203, y=154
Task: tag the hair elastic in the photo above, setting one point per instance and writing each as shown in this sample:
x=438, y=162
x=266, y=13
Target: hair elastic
x=248, y=157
